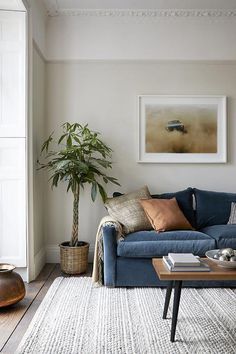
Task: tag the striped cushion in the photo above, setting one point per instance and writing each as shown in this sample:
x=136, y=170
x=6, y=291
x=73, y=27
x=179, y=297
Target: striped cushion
x=232, y=218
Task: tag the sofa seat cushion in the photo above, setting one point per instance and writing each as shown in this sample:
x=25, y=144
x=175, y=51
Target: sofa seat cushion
x=225, y=235
x=148, y=244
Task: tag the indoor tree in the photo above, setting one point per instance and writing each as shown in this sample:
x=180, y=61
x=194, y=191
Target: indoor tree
x=79, y=157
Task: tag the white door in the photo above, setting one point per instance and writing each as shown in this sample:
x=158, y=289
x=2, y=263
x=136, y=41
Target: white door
x=12, y=139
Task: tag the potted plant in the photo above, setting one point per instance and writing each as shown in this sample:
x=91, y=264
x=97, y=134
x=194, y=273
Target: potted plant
x=78, y=157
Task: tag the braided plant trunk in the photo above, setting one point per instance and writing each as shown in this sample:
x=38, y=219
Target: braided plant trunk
x=75, y=226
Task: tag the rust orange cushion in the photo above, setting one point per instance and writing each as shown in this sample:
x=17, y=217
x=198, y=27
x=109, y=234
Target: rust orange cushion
x=165, y=214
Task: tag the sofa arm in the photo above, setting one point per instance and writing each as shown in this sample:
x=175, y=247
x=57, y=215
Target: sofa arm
x=109, y=234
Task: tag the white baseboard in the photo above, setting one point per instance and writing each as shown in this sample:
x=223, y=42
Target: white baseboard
x=53, y=254
x=39, y=261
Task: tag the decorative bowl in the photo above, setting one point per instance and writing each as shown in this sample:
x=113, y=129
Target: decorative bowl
x=226, y=264
x=12, y=288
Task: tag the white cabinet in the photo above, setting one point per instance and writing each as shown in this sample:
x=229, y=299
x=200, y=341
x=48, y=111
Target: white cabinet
x=12, y=74
x=13, y=206
x=12, y=202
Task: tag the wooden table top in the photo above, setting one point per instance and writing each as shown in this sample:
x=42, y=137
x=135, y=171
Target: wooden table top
x=216, y=272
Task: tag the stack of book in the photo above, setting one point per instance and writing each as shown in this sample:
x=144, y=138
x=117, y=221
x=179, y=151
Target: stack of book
x=185, y=262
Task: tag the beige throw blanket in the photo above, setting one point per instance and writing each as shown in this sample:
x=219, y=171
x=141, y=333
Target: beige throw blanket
x=98, y=252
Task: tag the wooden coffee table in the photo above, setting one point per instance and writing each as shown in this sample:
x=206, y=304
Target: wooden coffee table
x=176, y=278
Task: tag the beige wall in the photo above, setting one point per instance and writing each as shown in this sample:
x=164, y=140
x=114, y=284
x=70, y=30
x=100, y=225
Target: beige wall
x=39, y=21
x=104, y=94
x=194, y=37
x=38, y=137
x=98, y=65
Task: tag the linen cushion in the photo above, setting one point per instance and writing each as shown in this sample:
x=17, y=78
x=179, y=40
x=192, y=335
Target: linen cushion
x=212, y=208
x=225, y=235
x=165, y=214
x=128, y=211
x=149, y=244
x=232, y=217
x=184, y=199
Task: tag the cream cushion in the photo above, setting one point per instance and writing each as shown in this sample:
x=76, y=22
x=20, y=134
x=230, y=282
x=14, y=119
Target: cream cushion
x=128, y=211
x=232, y=217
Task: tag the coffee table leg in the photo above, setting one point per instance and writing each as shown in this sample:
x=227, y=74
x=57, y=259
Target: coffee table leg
x=167, y=299
x=178, y=286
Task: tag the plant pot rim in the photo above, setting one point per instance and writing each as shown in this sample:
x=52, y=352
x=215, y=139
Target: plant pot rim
x=65, y=244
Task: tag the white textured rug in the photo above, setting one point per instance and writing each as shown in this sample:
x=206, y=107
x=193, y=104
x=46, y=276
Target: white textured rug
x=76, y=317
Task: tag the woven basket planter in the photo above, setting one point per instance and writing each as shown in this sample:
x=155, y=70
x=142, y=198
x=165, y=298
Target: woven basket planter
x=74, y=260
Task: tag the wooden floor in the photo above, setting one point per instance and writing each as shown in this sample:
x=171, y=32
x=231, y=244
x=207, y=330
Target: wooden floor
x=15, y=320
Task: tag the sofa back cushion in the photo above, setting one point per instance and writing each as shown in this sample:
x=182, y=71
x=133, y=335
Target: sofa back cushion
x=212, y=208
x=184, y=199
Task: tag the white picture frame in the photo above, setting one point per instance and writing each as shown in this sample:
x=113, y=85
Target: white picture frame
x=182, y=129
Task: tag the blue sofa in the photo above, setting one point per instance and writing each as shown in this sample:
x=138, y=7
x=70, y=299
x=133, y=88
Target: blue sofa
x=128, y=262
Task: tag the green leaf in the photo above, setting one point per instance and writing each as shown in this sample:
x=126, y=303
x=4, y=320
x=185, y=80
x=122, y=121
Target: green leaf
x=55, y=180
x=94, y=191
x=76, y=138
x=113, y=180
x=62, y=137
x=102, y=192
x=82, y=165
x=103, y=163
x=69, y=141
x=46, y=144
x=69, y=185
x=62, y=164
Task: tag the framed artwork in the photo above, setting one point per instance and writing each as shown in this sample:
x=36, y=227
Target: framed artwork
x=182, y=129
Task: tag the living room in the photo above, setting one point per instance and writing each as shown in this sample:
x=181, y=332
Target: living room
x=105, y=63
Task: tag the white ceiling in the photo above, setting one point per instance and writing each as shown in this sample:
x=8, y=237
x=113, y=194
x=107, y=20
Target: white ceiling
x=56, y=7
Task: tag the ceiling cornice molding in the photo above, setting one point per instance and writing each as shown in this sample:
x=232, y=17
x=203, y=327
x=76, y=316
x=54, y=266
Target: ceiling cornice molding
x=53, y=10
x=52, y=7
